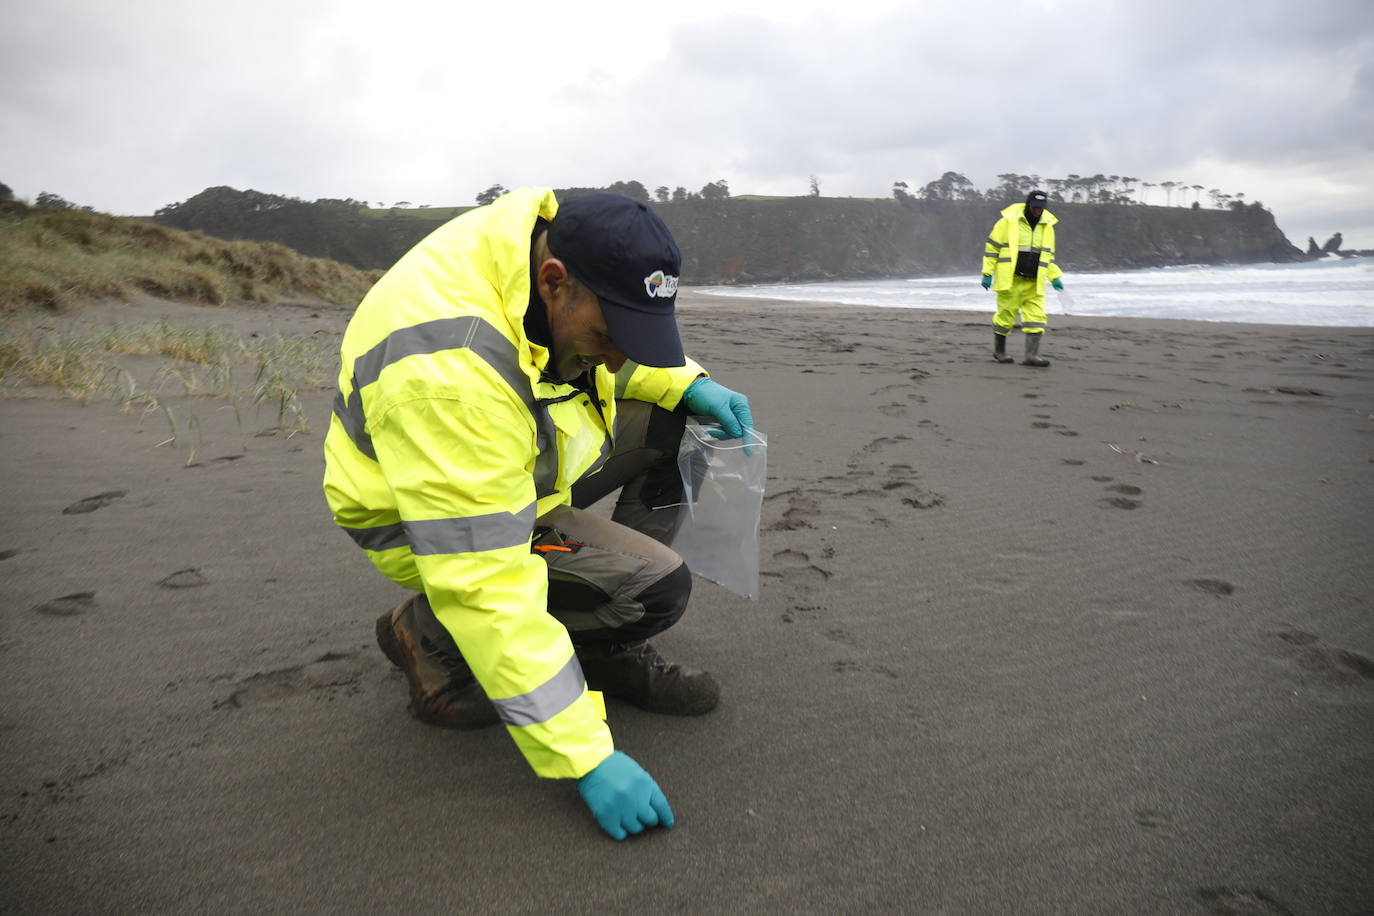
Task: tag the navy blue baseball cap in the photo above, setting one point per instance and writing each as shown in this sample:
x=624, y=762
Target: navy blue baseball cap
x=1036, y=199
x=620, y=249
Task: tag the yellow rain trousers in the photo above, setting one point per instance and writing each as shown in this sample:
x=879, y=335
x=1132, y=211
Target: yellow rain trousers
x=1013, y=234
x=445, y=445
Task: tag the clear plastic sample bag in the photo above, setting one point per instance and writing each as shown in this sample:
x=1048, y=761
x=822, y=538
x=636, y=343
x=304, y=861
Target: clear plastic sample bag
x=722, y=486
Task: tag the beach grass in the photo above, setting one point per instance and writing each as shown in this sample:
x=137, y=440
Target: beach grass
x=84, y=363
x=51, y=259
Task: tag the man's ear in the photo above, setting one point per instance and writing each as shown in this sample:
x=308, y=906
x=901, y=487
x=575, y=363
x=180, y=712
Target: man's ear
x=551, y=278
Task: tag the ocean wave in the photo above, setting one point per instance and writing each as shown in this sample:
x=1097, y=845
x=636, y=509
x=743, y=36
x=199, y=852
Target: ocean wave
x=1330, y=292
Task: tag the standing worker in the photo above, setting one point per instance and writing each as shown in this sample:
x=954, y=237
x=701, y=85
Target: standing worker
x=514, y=367
x=1017, y=260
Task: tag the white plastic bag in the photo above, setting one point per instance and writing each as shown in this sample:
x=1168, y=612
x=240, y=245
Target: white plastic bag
x=722, y=492
x=1065, y=301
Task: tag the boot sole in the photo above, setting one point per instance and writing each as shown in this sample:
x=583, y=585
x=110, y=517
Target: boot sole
x=386, y=641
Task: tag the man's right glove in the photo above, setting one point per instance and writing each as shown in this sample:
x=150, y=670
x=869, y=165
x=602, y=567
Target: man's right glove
x=706, y=397
x=987, y=281
x=623, y=797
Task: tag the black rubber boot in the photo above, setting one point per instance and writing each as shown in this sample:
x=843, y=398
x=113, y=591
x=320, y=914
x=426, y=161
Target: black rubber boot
x=1033, y=357
x=637, y=673
x=999, y=348
x=443, y=690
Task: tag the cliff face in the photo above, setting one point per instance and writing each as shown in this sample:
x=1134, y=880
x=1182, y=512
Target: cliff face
x=799, y=239
x=745, y=240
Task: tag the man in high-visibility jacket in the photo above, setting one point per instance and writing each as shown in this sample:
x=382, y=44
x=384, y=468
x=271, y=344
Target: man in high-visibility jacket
x=515, y=366
x=1017, y=260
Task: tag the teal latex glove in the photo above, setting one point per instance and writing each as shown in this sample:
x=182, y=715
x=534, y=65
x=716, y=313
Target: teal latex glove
x=708, y=398
x=987, y=281
x=1058, y=284
x=623, y=797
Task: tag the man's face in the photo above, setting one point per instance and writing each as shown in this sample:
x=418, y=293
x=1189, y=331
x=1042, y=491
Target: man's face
x=1034, y=212
x=580, y=337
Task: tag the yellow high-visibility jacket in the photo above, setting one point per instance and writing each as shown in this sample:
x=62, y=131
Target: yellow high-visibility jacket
x=1013, y=233
x=446, y=444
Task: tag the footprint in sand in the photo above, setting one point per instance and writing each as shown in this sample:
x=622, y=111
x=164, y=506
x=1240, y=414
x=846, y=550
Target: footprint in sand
x=1322, y=664
x=1217, y=587
x=1295, y=637
x=1123, y=501
x=6, y=554
x=324, y=678
x=1241, y=901
x=68, y=605
x=798, y=514
x=925, y=499
x=1074, y=462
x=852, y=667
x=1057, y=427
x=91, y=503
x=841, y=635
x=794, y=567
x=1151, y=819
x=881, y=442
x=184, y=578
x=799, y=612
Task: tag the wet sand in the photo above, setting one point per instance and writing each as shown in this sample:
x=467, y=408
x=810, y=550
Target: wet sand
x=1095, y=638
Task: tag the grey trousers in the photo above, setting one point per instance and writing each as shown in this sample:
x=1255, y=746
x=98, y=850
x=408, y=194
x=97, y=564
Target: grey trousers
x=619, y=581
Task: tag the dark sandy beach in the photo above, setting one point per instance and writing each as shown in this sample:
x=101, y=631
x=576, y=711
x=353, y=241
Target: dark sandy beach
x=1090, y=639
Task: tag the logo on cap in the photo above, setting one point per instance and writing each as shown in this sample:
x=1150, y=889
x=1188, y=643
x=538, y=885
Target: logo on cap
x=661, y=285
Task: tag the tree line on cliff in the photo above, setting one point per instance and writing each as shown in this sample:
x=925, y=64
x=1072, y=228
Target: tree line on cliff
x=1118, y=190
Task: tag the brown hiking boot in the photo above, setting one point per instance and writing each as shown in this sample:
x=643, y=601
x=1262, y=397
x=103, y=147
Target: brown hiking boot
x=443, y=690
x=637, y=673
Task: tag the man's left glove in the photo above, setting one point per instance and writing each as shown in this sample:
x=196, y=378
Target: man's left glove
x=623, y=798
x=1057, y=284
x=708, y=398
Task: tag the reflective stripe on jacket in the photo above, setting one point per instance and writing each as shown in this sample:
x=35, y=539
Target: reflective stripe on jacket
x=446, y=444
x=1013, y=233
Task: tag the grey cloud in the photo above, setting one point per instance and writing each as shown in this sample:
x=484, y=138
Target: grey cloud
x=151, y=102
x=1161, y=85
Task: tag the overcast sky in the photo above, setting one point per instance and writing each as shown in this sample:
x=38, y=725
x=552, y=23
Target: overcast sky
x=129, y=106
